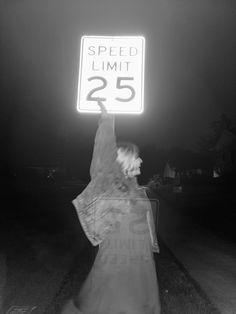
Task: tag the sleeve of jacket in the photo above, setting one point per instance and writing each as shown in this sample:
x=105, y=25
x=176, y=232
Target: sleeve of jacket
x=94, y=211
x=104, y=151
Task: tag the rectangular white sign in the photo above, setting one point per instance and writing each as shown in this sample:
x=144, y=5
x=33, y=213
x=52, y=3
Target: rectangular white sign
x=111, y=70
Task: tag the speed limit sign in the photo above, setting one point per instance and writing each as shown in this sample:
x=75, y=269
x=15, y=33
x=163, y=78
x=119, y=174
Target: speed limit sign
x=112, y=71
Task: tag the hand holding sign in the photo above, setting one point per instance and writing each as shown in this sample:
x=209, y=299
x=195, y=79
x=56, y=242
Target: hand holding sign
x=102, y=107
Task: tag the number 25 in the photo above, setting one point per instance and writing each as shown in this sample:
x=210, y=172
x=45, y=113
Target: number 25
x=118, y=86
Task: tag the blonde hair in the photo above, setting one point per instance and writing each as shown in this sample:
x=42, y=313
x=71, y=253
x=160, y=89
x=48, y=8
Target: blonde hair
x=127, y=153
x=128, y=148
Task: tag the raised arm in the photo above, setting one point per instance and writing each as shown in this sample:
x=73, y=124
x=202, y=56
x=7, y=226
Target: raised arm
x=104, y=151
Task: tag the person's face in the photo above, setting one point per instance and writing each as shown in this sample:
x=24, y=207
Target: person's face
x=135, y=166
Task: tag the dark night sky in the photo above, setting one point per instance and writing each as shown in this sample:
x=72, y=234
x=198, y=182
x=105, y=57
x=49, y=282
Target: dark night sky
x=190, y=70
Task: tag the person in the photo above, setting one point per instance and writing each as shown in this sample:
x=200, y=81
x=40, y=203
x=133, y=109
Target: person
x=116, y=215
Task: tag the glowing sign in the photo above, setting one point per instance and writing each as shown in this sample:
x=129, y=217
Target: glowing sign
x=111, y=70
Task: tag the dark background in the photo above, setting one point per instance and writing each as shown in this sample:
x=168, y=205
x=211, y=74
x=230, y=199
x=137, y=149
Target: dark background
x=190, y=76
x=189, y=124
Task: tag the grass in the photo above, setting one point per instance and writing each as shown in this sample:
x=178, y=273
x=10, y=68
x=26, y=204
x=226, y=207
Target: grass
x=179, y=293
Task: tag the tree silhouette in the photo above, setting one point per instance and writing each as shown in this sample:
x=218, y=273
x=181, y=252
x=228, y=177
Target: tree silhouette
x=207, y=142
